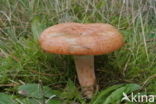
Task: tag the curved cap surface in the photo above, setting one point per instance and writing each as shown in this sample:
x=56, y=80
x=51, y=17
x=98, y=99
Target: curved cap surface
x=81, y=39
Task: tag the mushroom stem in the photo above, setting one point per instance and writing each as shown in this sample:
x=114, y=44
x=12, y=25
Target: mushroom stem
x=86, y=74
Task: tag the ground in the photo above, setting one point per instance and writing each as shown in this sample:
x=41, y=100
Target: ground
x=24, y=66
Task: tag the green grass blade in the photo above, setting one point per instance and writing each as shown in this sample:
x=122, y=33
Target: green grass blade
x=37, y=27
x=105, y=93
x=6, y=99
x=116, y=96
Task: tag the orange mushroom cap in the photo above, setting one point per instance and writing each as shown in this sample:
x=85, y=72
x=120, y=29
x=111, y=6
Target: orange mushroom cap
x=81, y=39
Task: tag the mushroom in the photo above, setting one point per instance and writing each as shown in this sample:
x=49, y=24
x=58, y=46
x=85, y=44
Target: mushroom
x=83, y=41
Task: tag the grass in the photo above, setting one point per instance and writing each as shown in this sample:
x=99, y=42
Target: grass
x=22, y=61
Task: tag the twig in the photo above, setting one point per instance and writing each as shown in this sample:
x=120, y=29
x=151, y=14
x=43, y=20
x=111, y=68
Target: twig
x=45, y=74
x=150, y=40
x=148, y=79
x=8, y=85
